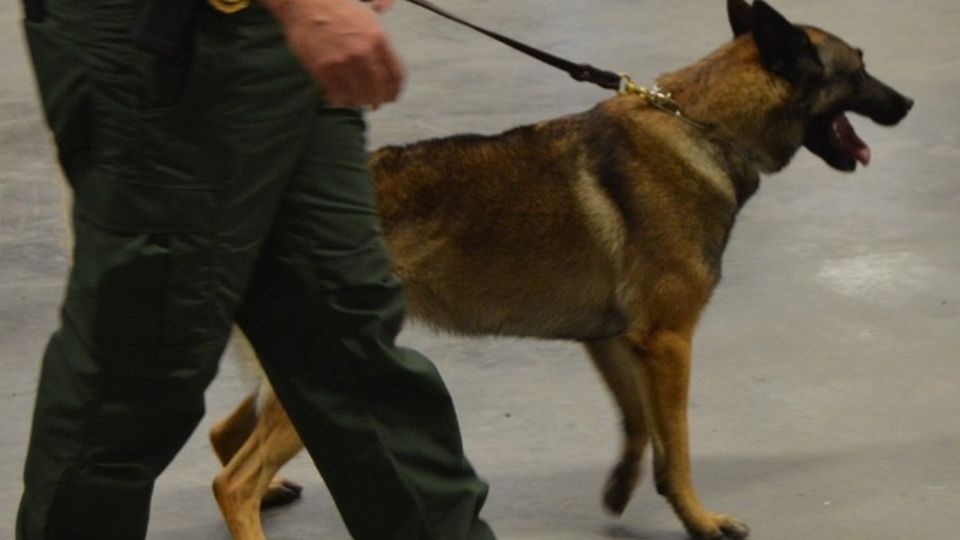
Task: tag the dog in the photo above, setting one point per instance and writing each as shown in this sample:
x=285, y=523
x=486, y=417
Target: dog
x=605, y=227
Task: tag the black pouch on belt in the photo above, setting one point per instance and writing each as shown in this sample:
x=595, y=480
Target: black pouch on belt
x=164, y=26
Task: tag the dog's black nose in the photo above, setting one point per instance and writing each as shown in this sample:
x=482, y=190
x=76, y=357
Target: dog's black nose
x=907, y=103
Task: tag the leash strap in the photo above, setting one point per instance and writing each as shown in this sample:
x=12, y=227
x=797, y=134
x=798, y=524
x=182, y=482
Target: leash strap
x=579, y=72
x=619, y=82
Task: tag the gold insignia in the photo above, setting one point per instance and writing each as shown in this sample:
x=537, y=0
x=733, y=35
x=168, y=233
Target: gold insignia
x=229, y=6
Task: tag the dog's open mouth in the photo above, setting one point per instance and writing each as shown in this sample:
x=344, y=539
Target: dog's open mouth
x=847, y=140
x=834, y=139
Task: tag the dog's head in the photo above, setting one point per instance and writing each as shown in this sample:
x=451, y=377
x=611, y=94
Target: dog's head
x=827, y=77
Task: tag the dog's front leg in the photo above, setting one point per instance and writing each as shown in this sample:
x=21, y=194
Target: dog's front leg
x=617, y=364
x=249, y=477
x=665, y=380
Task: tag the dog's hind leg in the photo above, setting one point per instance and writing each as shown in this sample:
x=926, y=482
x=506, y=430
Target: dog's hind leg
x=617, y=363
x=248, y=476
x=229, y=434
x=664, y=360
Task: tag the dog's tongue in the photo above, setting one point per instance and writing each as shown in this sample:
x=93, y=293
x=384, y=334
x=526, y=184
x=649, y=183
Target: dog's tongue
x=849, y=140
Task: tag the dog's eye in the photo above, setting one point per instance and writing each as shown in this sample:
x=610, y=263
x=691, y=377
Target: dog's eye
x=863, y=67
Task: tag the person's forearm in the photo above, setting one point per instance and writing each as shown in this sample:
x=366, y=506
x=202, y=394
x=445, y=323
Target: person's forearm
x=283, y=10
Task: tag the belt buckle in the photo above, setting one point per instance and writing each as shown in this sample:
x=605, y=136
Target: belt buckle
x=229, y=6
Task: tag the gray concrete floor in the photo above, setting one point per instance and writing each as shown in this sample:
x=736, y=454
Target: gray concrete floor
x=825, y=401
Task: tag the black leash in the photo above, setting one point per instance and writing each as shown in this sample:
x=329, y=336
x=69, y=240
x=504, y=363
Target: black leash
x=619, y=82
x=580, y=72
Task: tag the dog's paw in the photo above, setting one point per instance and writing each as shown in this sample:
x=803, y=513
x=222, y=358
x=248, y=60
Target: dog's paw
x=281, y=493
x=732, y=528
x=725, y=528
x=620, y=485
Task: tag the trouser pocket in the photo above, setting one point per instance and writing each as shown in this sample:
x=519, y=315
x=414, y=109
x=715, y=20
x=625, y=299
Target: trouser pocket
x=144, y=295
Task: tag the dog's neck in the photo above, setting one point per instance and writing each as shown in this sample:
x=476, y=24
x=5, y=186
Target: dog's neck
x=741, y=103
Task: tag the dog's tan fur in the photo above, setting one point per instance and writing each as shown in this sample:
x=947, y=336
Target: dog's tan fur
x=605, y=227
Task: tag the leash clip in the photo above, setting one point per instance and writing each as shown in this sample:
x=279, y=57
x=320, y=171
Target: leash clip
x=656, y=98
x=627, y=86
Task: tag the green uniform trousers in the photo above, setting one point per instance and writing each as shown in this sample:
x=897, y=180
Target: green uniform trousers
x=212, y=188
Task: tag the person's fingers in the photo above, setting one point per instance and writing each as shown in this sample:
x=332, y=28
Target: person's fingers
x=392, y=73
x=346, y=89
x=375, y=82
x=336, y=81
x=356, y=84
x=367, y=78
x=384, y=84
x=372, y=79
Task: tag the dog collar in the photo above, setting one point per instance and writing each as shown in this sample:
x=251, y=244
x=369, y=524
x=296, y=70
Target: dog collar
x=662, y=100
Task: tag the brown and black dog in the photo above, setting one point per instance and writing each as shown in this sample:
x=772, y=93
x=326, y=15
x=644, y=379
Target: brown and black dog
x=605, y=227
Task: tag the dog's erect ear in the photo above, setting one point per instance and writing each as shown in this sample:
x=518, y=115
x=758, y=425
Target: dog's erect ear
x=785, y=50
x=741, y=17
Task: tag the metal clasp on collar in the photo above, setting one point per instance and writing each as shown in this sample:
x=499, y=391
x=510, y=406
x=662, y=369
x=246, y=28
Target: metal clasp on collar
x=656, y=98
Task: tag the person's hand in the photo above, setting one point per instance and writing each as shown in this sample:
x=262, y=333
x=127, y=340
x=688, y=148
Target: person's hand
x=342, y=44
